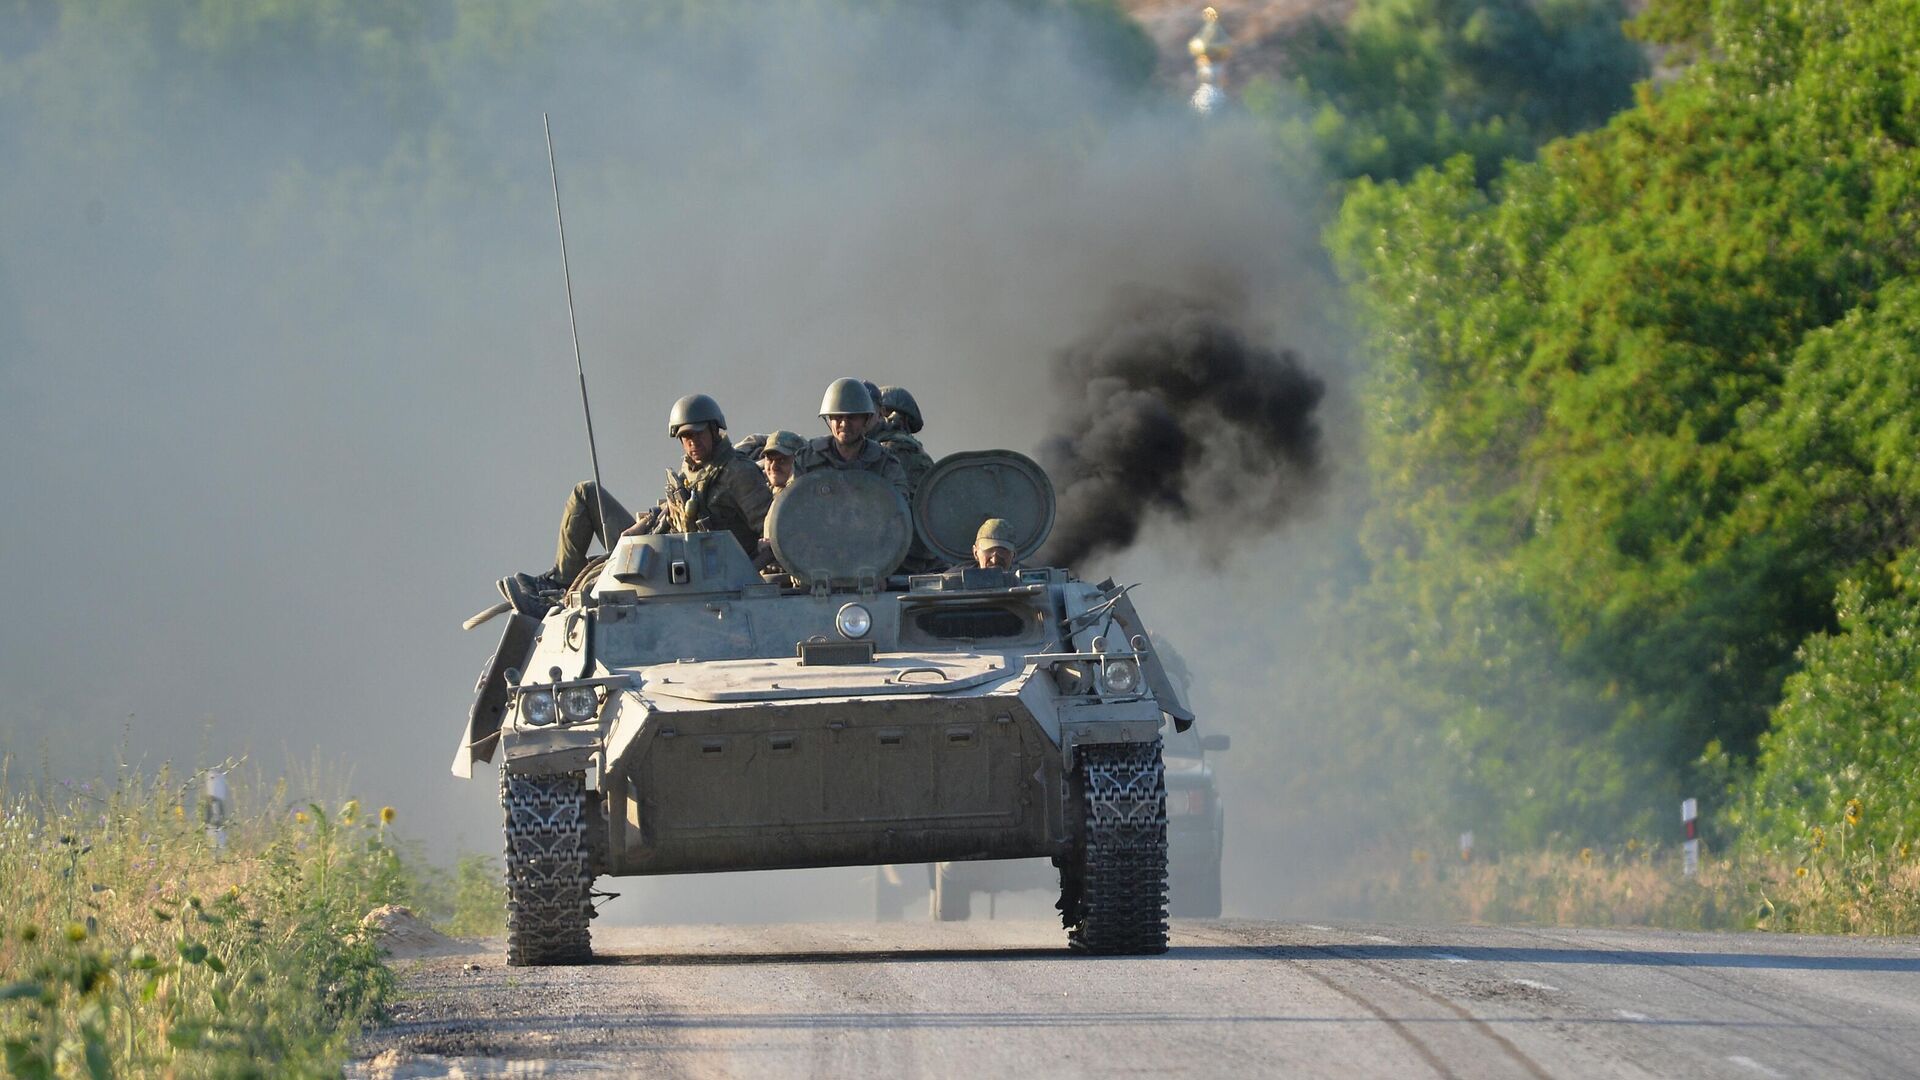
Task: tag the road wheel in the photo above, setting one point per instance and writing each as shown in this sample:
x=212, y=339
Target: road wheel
x=951, y=900
x=549, y=878
x=1114, y=890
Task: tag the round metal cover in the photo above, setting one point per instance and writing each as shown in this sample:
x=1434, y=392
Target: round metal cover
x=839, y=526
x=967, y=488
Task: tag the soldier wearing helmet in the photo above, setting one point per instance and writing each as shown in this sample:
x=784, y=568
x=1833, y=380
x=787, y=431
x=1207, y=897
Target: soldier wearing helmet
x=716, y=489
x=850, y=413
x=993, y=545
x=902, y=423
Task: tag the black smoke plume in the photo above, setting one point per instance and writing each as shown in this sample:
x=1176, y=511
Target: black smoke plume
x=1172, y=409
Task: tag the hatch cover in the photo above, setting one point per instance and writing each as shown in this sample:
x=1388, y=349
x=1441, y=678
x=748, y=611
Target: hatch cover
x=839, y=527
x=967, y=488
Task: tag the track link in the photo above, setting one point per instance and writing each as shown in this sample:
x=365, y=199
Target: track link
x=1114, y=889
x=549, y=877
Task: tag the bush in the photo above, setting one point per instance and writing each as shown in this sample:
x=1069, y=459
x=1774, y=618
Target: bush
x=1837, y=767
x=469, y=902
x=135, y=943
x=1817, y=889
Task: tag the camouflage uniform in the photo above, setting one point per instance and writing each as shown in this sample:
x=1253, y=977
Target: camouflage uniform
x=917, y=463
x=578, y=527
x=727, y=494
x=913, y=457
x=750, y=446
x=873, y=458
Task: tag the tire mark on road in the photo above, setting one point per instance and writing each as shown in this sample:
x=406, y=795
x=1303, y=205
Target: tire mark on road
x=1420, y=1048
x=1518, y=1056
x=1840, y=1027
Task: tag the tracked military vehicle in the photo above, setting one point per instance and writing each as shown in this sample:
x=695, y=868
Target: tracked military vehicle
x=680, y=712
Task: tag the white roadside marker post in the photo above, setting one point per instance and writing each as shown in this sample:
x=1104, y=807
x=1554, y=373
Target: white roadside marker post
x=1466, y=846
x=1689, y=817
x=214, y=809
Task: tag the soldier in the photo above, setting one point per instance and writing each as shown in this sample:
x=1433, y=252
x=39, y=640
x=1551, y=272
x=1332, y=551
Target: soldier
x=778, y=449
x=849, y=412
x=993, y=545
x=716, y=489
x=903, y=423
x=900, y=423
x=776, y=458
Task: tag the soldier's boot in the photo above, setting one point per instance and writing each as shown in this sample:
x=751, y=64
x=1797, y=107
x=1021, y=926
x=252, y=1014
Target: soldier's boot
x=532, y=594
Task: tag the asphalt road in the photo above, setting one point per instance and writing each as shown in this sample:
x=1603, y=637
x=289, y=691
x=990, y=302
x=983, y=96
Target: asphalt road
x=1231, y=998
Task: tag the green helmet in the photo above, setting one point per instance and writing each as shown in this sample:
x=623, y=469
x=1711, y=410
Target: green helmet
x=996, y=532
x=749, y=447
x=896, y=399
x=693, y=409
x=846, y=397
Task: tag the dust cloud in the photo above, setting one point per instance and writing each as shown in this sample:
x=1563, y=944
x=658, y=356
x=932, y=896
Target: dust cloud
x=285, y=382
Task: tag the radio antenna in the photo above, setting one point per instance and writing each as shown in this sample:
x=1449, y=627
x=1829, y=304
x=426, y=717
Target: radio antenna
x=593, y=451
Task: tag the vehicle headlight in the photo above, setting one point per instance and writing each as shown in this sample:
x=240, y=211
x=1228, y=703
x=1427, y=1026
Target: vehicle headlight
x=579, y=703
x=536, y=707
x=1122, y=676
x=853, y=621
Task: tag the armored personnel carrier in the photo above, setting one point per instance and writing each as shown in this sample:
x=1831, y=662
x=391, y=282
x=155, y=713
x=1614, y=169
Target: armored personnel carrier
x=679, y=712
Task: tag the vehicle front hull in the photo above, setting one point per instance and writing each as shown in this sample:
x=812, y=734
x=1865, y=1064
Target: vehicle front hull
x=847, y=782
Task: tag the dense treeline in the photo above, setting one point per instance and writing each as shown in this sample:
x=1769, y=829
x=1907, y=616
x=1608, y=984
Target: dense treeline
x=1640, y=410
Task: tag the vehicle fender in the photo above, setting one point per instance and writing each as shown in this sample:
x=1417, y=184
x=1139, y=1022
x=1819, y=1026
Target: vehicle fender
x=1150, y=665
x=482, y=732
x=1126, y=722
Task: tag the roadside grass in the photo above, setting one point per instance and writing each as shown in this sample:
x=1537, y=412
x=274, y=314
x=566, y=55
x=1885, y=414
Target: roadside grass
x=1820, y=888
x=470, y=901
x=134, y=943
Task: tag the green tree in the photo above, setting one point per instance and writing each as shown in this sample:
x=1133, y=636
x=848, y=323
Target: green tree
x=1404, y=84
x=1591, y=393
x=1839, y=443
x=1841, y=751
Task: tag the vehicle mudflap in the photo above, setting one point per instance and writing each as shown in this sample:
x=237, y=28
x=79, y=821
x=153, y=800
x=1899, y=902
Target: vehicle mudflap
x=482, y=735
